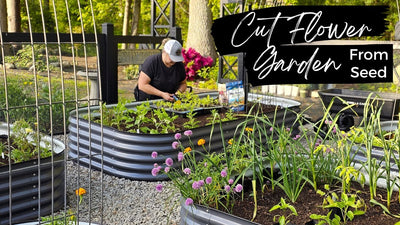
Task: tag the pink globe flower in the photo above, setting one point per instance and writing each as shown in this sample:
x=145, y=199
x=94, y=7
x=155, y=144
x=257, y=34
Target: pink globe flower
x=208, y=180
x=195, y=185
x=155, y=171
x=230, y=181
x=178, y=136
x=223, y=173
x=227, y=188
x=188, y=133
x=154, y=155
x=238, y=188
x=180, y=156
x=159, y=187
x=187, y=171
x=167, y=169
x=189, y=201
x=175, y=145
x=169, y=162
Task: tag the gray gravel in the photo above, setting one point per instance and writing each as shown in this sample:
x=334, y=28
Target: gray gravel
x=124, y=201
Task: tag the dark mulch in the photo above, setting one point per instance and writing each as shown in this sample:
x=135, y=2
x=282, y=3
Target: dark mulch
x=309, y=202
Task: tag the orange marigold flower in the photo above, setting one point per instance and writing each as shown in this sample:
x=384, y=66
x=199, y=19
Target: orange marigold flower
x=187, y=149
x=80, y=191
x=248, y=129
x=201, y=142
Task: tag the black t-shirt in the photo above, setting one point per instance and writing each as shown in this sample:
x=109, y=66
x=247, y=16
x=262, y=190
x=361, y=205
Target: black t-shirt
x=163, y=78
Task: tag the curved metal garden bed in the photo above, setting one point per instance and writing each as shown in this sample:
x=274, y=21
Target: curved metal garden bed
x=128, y=155
x=31, y=185
x=199, y=215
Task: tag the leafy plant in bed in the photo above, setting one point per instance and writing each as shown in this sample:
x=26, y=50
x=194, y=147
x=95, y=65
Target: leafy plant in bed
x=316, y=178
x=162, y=117
x=32, y=173
x=188, y=102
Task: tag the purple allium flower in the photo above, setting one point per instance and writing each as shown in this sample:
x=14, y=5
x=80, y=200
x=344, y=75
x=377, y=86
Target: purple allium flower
x=201, y=183
x=227, y=188
x=159, y=187
x=230, y=181
x=296, y=137
x=167, y=169
x=238, y=188
x=155, y=165
x=287, y=129
x=189, y=201
x=178, y=136
x=334, y=130
x=154, y=155
x=155, y=171
x=187, y=171
x=299, y=169
x=271, y=129
x=169, y=162
x=188, y=133
x=223, y=173
x=195, y=185
x=180, y=156
x=208, y=180
x=175, y=145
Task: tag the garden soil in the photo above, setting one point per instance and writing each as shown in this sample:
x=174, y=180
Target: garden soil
x=309, y=202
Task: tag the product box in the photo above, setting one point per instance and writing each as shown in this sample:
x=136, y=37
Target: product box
x=232, y=95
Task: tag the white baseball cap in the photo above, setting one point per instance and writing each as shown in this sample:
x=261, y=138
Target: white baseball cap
x=174, y=49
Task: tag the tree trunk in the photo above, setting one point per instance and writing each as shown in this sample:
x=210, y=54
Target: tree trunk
x=199, y=31
x=127, y=16
x=3, y=16
x=135, y=19
x=14, y=15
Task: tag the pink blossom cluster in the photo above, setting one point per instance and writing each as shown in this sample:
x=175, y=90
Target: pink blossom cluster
x=194, y=61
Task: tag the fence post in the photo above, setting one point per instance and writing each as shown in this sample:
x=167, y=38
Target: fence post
x=109, y=67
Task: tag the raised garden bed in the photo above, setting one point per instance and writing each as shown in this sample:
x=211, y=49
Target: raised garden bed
x=36, y=186
x=128, y=155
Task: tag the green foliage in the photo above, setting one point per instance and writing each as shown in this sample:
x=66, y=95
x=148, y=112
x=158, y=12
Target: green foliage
x=24, y=58
x=21, y=101
x=282, y=220
x=25, y=144
x=192, y=123
x=347, y=205
x=131, y=71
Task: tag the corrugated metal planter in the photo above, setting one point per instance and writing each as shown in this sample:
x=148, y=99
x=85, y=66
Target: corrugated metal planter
x=128, y=155
x=200, y=215
x=23, y=182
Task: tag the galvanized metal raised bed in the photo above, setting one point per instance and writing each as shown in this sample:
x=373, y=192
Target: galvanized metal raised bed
x=199, y=215
x=30, y=189
x=128, y=155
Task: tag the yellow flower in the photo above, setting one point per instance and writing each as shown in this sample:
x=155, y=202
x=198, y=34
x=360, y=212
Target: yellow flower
x=30, y=83
x=28, y=130
x=248, y=129
x=80, y=191
x=187, y=149
x=178, y=102
x=230, y=141
x=201, y=142
x=25, y=83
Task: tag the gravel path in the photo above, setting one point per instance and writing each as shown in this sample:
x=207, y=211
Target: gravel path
x=124, y=201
